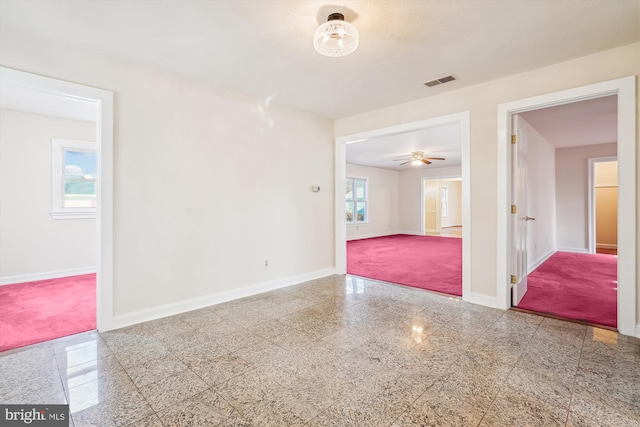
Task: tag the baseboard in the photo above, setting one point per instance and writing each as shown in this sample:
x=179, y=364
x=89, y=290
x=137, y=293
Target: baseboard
x=23, y=278
x=540, y=261
x=606, y=246
x=574, y=250
x=372, y=235
x=411, y=233
x=638, y=330
x=481, y=299
x=171, y=309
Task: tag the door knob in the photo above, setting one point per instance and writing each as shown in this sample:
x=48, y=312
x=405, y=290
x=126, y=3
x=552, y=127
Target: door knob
x=528, y=218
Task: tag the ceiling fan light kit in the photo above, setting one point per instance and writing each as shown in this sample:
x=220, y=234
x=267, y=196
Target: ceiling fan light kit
x=418, y=158
x=336, y=37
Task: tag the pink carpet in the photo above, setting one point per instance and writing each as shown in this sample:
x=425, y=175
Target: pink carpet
x=39, y=311
x=426, y=262
x=575, y=286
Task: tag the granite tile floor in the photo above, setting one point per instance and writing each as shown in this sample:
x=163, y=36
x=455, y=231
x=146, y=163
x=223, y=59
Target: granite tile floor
x=338, y=351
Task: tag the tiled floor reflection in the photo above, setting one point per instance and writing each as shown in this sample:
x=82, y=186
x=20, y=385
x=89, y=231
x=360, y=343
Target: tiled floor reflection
x=339, y=351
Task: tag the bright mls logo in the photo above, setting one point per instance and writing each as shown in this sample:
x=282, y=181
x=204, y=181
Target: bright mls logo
x=34, y=415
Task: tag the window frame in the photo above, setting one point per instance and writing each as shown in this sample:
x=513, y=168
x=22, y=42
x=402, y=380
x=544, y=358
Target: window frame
x=58, y=147
x=355, y=200
x=444, y=202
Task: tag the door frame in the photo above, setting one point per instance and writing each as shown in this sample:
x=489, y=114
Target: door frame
x=104, y=143
x=624, y=88
x=592, y=199
x=423, y=229
x=463, y=118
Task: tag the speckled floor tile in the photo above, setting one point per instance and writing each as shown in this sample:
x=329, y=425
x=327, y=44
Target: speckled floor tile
x=148, y=421
x=173, y=389
x=222, y=369
x=109, y=388
x=203, y=409
x=590, y=409
x=75, y=375
x=337, y=351
x=149, y=372
x=515, y=409
x=202, y=353
x=113, y=414
x=137, y=355
x=546, y=388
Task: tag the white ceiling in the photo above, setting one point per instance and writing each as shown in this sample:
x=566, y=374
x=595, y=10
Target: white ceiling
x=594, y=121
x=26, y=100
x=438, y=141
x=263, y=48
x=586, y=122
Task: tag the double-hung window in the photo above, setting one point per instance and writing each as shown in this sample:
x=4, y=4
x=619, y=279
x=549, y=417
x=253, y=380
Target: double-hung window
x=356, y=198
x=444, y=200
x=74, y=167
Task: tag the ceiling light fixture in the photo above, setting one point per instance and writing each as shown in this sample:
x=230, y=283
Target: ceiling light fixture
x=416, y=162
x=336, y=37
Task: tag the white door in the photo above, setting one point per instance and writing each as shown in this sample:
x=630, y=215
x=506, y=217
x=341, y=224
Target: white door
x=519, y=218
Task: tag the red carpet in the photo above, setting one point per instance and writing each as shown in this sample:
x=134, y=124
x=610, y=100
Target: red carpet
x=426, y=262
x=575, y=286
x=39, y=311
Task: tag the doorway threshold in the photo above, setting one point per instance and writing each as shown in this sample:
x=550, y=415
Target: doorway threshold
x=566, y=319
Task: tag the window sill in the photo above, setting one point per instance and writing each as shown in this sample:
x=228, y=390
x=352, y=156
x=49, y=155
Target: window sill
x=355, y=224
x=73, y=215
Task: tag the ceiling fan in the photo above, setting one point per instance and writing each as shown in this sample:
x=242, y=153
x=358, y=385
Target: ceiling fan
x=418, y=158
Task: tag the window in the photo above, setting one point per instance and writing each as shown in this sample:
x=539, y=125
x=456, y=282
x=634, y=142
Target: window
x=74, y=169
x=444, y=200
x=356, y=200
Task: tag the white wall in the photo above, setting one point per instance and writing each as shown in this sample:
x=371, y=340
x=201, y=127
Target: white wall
x=572, y=194
x=606, y=203
x=482, y=101
x=454, y=190
x=383, y=202
x=411, y=215
x=208, y=184
x=541, y=196
x=31, y=243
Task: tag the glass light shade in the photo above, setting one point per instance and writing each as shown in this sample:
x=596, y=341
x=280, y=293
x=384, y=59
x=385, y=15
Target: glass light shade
x=336, y=38
x=416, y=162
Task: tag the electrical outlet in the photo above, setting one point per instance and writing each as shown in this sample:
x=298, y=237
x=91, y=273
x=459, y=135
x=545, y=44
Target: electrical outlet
x=266, y=263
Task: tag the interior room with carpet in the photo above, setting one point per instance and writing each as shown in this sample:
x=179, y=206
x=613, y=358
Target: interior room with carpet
x=573, y=210
x=221, y=293
x=403, y=189
x=47, y=218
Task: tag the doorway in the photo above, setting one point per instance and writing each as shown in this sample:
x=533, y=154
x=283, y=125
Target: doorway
x=624, y=89
x=103, y=102
x=414, y=212
x=442, y=207
x=603, y=205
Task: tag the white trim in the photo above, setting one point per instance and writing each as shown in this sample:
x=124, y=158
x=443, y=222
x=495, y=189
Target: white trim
x=540, y=261
x=24, y=278
x=606, y=246
x=638, y=330
x=120, y=321
x=624, y=88
x=340, y=174
x=591, y=198
x=104, y=142
x=372, y=235
x=574, y=250
x=481, y=299
x=73, y=215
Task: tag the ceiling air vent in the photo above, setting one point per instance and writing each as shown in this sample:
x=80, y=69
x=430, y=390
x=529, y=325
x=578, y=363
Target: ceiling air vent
x=441, y=80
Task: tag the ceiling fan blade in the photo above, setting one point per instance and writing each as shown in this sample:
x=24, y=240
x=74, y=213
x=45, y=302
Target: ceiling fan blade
x=404, y=163
x=434, y=158
x=425, y=161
